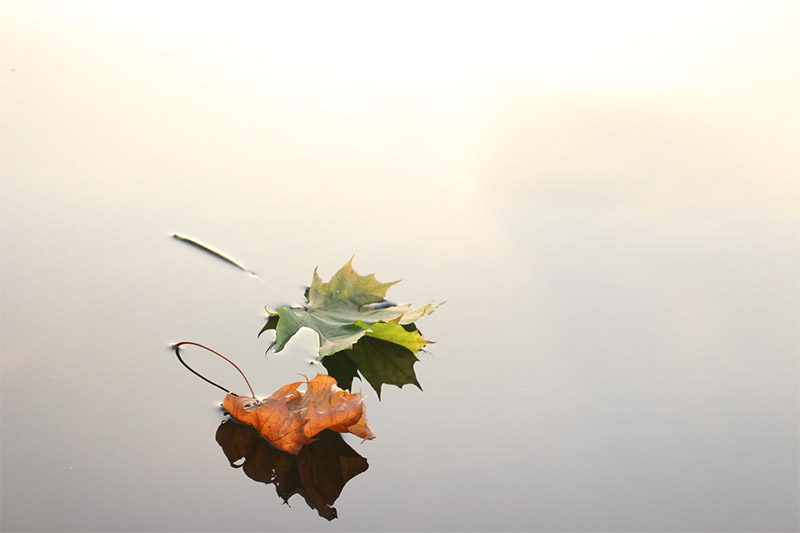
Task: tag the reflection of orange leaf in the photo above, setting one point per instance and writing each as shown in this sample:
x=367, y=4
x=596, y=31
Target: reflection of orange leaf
x=290, y=419
x=318, y=473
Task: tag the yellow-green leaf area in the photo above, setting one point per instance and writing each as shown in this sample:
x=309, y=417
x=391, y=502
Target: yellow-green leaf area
x=347, y=285
x=395, y=333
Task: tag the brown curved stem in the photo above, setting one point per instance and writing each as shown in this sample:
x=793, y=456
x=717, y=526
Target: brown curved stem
x=177, y=346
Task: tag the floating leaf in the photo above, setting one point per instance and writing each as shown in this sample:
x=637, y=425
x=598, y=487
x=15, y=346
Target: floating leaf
x=319, y=472
x=341, y=312
x=290, y=419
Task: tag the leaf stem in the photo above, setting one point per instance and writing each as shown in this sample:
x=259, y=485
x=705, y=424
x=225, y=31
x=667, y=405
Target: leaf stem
x=177, y=346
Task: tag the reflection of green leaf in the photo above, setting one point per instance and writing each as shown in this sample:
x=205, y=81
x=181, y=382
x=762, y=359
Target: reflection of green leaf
x=379, y=362
x=341, y=368
x=384, y=362
x=339, y=311
x=272, y=323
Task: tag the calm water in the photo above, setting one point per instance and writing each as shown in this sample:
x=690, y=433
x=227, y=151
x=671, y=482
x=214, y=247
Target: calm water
x=618, y=350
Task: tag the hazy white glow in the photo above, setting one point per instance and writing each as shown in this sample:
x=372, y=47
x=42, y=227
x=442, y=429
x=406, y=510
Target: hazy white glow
x=351, y=49
x=452, y=96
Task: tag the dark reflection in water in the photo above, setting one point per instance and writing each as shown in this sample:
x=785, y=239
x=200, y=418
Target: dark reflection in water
x=318, y=473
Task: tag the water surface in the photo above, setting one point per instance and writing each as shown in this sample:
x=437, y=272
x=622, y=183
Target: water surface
x=619, y=346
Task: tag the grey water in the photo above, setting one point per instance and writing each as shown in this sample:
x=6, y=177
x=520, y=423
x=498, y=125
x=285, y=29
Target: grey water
x=618, y=350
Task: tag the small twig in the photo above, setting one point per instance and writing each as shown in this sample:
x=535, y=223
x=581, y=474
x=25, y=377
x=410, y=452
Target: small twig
x=177, y=346
x=230, y=260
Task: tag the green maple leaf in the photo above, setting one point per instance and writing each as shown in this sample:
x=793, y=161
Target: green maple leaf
x=355, y=335
x=341, y=312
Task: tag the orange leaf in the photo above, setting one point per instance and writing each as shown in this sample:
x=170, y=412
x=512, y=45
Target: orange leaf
x=289, y=419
